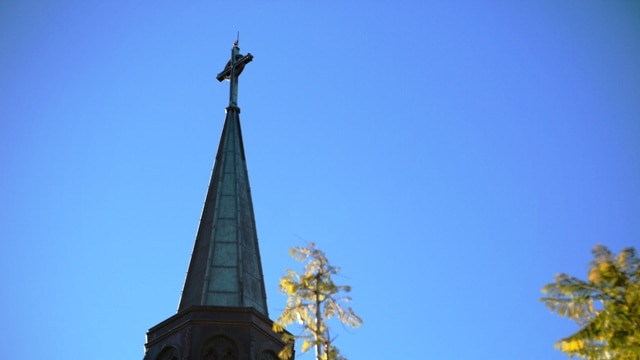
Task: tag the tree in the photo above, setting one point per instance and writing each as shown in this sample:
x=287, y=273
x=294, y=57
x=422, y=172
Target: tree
x=606, y=307
x=313, y=299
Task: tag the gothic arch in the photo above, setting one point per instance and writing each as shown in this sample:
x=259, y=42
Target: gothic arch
x=169, y=352
x=220, y=347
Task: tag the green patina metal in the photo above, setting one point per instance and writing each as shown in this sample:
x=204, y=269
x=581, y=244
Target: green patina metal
x=232, y=71
x=225, y=267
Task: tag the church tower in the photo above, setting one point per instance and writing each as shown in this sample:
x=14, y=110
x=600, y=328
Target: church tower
x=223, y=309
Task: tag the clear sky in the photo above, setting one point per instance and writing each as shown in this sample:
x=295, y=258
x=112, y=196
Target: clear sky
x=451, y=157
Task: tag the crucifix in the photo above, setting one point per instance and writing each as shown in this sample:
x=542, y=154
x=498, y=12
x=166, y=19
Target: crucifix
x=232, y=70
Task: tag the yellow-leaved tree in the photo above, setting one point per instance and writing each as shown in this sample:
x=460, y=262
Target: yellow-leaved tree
x=313, y=299
x=606, y=307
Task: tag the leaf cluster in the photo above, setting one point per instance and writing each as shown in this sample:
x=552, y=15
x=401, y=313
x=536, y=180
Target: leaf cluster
x=606, y=306
x=313, y=298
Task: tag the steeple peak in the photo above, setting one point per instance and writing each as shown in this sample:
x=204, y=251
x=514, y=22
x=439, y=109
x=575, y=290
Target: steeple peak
x=223, y=307
x=225, y=267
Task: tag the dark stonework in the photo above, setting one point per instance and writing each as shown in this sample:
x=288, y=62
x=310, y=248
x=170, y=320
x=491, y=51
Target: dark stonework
x=169, y=353
x=213, y=333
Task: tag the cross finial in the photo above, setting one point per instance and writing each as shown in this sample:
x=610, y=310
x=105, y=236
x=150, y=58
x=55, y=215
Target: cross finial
x=232, y=70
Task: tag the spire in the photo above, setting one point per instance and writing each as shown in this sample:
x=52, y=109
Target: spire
x=225, y=267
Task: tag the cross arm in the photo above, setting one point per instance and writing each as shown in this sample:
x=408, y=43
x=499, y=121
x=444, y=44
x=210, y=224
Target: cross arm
x=238, y=64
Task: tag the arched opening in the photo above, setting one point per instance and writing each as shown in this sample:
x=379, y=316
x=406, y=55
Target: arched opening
x=169, y=352
x=220, y=348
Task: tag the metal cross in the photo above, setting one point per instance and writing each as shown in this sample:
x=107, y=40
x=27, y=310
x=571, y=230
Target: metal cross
x=232, y=70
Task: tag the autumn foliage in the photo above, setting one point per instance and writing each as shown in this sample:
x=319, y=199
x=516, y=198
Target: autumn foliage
x=606, y=307
x=313, y=299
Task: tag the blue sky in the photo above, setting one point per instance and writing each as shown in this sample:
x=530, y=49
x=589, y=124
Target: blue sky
x=451, y=157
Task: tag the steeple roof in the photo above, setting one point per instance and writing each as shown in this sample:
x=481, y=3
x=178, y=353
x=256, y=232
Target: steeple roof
x=225, y=267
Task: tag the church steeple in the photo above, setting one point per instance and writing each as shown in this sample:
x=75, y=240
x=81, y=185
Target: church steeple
x=225, y=268
x=223, y=308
